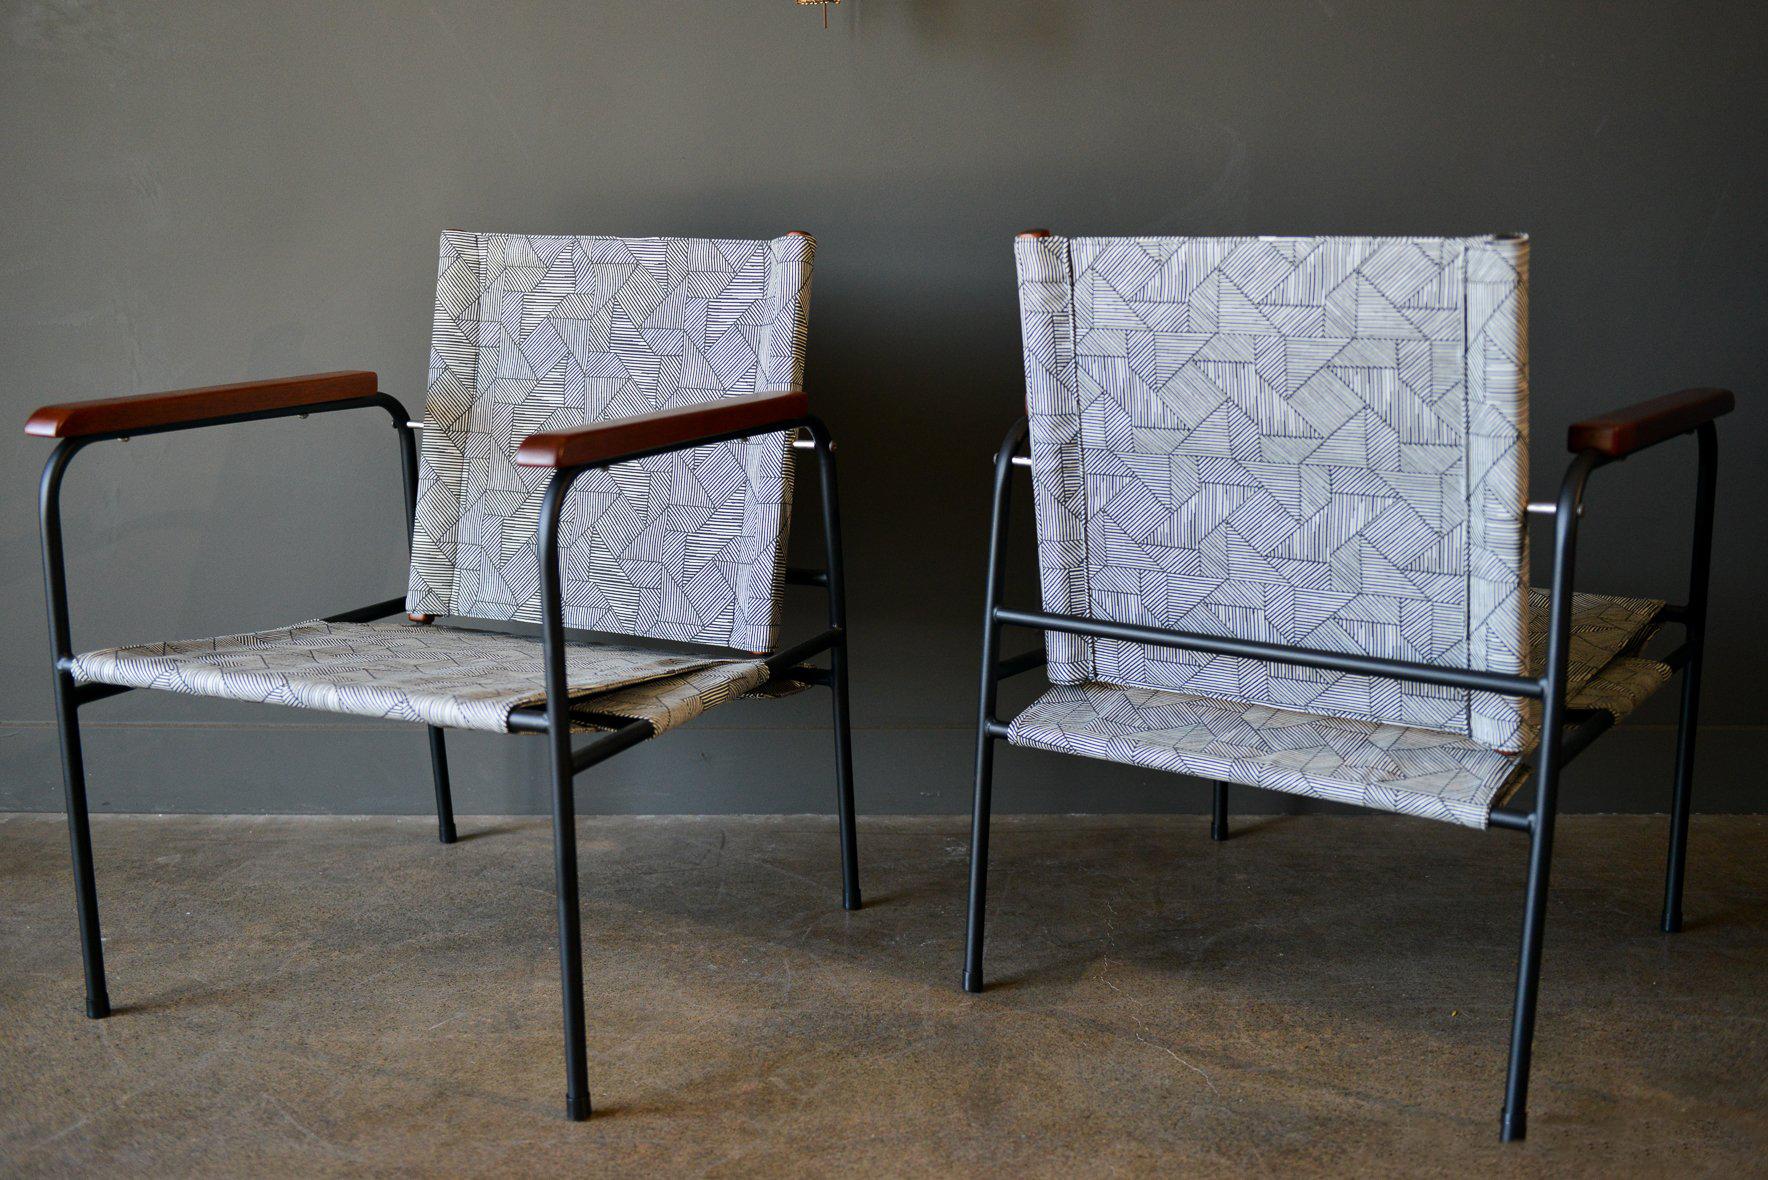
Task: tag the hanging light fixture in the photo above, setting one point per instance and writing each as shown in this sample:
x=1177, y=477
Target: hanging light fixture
x=825, y=4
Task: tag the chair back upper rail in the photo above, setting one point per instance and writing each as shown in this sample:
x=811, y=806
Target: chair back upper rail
x=1314, y=442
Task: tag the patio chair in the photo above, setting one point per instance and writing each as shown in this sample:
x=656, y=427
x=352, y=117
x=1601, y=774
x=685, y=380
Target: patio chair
x=1280, y=490
x=608, y=446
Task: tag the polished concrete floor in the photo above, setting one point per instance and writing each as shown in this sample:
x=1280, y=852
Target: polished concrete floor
x=320, y=996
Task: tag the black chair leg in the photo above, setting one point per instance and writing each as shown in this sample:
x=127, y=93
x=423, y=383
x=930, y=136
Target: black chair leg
x=1218, y=820
x=444, y=797
x=850, y=898
x=978, y=862
x=1677, y=864
x=987, y=728
x=837, y=588
x=1695, y=620
x=73, y=768
x=570, y=934
x=1514, y=1124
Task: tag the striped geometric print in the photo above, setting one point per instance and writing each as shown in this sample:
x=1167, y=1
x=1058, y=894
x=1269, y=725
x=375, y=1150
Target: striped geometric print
x=440, y=675
x=1319, y=442
x=1421, y=772
x=536, y=333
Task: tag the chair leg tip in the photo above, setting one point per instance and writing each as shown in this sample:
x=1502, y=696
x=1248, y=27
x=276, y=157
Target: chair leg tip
x=448, y=835
x=1672, y=924
x=98, y=1009
x=577, y=1109
x=1514, y=1128
x=973, y=982
x=850, y=902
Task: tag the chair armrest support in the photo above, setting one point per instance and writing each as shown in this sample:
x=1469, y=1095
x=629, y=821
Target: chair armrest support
x=172, y=410
x=1619, y=433
x=601, y=443
x=79, y=424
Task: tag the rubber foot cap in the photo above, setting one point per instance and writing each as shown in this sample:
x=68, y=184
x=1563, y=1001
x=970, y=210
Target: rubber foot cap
x=1515, y=1127
x=98, y=1009
x=973, y=982
x=577, y=1109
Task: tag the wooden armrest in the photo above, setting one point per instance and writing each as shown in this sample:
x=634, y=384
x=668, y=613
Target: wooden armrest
x=120, y=415
x=663, y=430
x=1619, y=433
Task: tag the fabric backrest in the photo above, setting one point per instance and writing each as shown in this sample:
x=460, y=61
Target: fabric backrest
x=1319, y=442
x=537, y=333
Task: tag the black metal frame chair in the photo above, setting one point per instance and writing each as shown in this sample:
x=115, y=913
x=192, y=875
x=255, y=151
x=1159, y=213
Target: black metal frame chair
x=1565, y=733
x=593, y=446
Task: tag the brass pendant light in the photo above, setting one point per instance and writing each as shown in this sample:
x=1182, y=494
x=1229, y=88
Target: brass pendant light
x=825, y=4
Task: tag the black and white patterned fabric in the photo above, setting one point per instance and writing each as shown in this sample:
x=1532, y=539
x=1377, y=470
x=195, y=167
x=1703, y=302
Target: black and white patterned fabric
x=1318, y=442
x=673, y=700
x=444, y=676
x=1414, y=771
x=535, y=333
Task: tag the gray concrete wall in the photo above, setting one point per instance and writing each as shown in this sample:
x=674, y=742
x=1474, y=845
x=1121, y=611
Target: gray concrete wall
x=193, y=193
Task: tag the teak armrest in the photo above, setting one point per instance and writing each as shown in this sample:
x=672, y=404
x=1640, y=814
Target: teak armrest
x=148, y=411
x=1619, y=433
x=663, y=430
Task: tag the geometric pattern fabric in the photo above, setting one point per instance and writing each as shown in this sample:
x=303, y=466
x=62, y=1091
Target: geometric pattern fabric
x=443, y=676
x=1317, y=442
x=1421, y=772
x=536, y=333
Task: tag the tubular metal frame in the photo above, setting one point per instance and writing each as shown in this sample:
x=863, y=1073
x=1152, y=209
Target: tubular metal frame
x=553, y=719
x=1564, y=733
x=567, y=762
